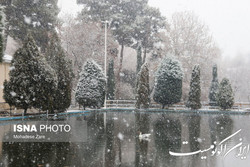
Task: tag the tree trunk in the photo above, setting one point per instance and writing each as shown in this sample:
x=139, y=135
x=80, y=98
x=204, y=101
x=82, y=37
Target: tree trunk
x=163, y=106
x=10, y=110
x=25, y=111
x=119, y=72
x=144, y=55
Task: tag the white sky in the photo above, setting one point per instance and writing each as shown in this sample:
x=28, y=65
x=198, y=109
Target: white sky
x=228, y=20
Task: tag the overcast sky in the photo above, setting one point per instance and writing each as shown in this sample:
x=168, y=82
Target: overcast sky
x=228, y=20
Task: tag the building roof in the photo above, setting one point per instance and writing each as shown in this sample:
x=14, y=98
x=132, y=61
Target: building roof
x=7, y=58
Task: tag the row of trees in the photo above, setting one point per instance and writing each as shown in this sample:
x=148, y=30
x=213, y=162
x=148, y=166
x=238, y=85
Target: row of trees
x=91, y=86
x=39, y=81
x=168, y=87
x=134, y=23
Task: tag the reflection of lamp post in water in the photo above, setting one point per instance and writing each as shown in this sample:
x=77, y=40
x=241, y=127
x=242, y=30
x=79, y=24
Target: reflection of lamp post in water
x=105, y=73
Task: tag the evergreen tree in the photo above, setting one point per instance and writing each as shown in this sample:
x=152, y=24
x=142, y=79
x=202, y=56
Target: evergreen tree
x=168, y=85
x=7, y=93
x=139, y=60
x=2, y=25
x=195, y=90
x=111, y=81
x=121, y=17
x=37, y=17
x=214, y=88
x=57, y=59
x=146, y=28
x=138, y=66
x=32, y=81
x=90, y=89
x=225, y=98
x=143, y=92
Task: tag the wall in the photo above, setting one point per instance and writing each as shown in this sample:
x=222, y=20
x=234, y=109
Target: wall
x=4, y=75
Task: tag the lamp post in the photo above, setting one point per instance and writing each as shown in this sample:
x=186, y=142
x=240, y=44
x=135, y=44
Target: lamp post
x=105, y=62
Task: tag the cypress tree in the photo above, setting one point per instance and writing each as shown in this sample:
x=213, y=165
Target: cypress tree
x=143, y=92
x=91, y=85
x=139, y=60
x=214, y=88
x=32, y=81
x=225, y=98
x=195, y=90
x=111, y=81
x=168, y=84
x=2, y=25
x=57, y=59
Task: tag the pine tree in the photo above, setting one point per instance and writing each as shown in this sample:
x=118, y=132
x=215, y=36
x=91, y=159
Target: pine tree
x=32, y=81
x=195, y=90
x=37, y=17
x=111, y=81
x=143, y=92
x=225, y=98
x=90, y=89
x=2, y=25
x=168, y=85
x=214, y=88
x=147, y=25
x=57, y=59
x=139, y=60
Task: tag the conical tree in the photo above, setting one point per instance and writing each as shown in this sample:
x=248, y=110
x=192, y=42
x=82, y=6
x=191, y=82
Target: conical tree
x=111, y=81
x=225, y=98
x=57, y=59
x=195, y=90
x=143, y=92
x=214, y=88
x=90, y=89
x=32, y=81
x=168, y=85
x=2, y=18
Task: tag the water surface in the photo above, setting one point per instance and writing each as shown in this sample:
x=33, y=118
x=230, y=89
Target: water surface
x=112, y=139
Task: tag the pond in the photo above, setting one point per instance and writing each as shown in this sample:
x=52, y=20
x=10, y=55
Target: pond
x=113, y=139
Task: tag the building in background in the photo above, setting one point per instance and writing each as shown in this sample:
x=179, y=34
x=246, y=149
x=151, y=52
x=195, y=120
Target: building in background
x=4, y=74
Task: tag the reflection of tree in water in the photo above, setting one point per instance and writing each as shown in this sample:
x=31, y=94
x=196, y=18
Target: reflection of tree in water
x=194, y=131
x=194, y=134
x=167, y=138
x=91, y=151
x=110, y=150
x=34, y=154
x=220, y=127
x=142, y=122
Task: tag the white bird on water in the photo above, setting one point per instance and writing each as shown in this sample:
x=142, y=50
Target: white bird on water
x=144, y=136
x=55, y=117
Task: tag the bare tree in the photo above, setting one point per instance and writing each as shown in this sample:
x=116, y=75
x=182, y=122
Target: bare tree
x=236, y=69
x=83, y=40
x=190, y=40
